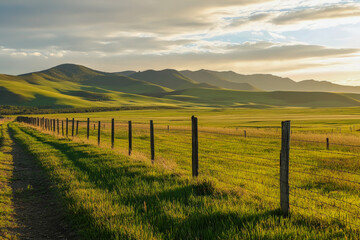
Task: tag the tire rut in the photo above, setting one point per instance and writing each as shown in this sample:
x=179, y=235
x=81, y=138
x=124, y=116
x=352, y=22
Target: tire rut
x=37, y=209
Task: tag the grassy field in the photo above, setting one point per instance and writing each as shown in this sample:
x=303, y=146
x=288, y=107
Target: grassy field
x=237, y=193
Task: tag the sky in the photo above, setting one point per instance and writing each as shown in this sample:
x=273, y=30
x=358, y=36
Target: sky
x=302, y=39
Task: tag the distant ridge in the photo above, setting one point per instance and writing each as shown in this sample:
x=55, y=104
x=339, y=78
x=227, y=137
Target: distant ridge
x=270, y=82
x=206, y=76
x=169, y=78
x=125, y=73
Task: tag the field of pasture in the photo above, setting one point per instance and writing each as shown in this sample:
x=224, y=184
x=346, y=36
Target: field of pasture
x=235, y=196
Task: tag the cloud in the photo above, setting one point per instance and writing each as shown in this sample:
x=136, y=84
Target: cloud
x=220, y=34
x=329, y=12
x=254, y=56
x=160, y=16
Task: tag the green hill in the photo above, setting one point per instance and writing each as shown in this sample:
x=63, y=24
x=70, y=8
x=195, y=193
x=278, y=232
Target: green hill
x=33, y=90
x=206, y=76
x=232, y=98
x=69, y=85
x=169, y=78
x=270, y=82
x=89, y=77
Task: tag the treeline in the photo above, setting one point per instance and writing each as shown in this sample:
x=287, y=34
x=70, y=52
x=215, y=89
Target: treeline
x=17, y=110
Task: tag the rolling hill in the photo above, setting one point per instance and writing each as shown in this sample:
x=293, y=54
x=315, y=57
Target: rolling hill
x=69, y=85
x=91, y=78
x=169, y=78
x=270, y=82
x=55, y=89
x=206, y=76
x=251, y=99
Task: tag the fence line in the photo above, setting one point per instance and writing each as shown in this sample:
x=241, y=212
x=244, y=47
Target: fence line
x=286, y=189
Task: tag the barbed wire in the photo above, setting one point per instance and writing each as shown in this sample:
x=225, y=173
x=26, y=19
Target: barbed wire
x=325, y=151
x=251, y=163
x=248, y=179
x=336, y=170
x=323, y=214
x=323, y=195
x=322, y=202
x=330, y=177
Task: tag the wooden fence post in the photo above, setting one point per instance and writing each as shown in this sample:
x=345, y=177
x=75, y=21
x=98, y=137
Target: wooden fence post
x=54, y=125
x=244, y=133
x=112, y=132
x=99, y=127
x=195, y=147
x=72, y=127
x=58, y=126
x=152, y=142
x=77, y=127
x=67, y=127
x=88, y=129
x=130, y=137
x=327, y=144
x=168, y=128
x=62, y=127
x=284, y=168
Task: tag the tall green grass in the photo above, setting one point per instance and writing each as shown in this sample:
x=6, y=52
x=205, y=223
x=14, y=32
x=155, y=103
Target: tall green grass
x=112, y=196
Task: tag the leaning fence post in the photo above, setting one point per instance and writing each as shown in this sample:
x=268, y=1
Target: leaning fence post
x=284, y=168
x=327, y=144
x=99, y=127
x=152, y=143
x=130, y=138
x=112, y=132
x=88, y=129
x=195, y=147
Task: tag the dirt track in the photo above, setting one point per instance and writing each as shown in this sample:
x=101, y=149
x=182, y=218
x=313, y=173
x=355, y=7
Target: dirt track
x=38, y=213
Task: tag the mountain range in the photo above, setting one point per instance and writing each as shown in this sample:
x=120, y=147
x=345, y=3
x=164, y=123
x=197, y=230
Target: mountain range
x=70, y=85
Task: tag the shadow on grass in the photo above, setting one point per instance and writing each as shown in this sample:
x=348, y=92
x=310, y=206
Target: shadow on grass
x=200, y=220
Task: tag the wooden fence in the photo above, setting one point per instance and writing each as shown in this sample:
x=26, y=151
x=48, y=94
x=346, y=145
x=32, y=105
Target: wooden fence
x=53, y=125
